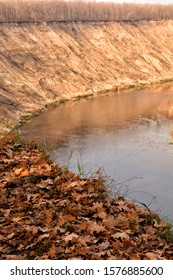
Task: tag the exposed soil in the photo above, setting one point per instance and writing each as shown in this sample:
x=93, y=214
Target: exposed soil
x=44, y=62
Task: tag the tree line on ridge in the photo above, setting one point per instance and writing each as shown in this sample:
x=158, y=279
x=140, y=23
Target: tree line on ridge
x=78, y=10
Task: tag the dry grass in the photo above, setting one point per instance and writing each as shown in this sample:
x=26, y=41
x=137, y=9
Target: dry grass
x=77, y=10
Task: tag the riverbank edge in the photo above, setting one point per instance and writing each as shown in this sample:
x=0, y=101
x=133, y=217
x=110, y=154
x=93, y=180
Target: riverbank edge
x=118, y=89
x=127, y=230
x=6, y=127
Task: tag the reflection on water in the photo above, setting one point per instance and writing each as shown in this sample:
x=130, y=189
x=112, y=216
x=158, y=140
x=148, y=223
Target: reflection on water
x=123, y=133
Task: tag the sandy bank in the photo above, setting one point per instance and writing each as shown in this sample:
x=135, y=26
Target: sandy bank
x=44, y=62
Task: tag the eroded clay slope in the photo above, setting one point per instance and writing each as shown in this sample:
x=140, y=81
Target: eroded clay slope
x=40, y=63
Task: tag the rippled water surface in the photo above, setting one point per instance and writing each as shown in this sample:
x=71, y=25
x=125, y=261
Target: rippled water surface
x=125, y=134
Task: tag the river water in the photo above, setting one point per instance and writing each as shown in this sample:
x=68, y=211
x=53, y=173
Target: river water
x=126, y=135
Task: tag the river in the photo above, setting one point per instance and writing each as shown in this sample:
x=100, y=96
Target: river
x=126, y=135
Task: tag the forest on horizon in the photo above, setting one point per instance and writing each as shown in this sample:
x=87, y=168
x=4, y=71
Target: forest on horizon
x=78, y=10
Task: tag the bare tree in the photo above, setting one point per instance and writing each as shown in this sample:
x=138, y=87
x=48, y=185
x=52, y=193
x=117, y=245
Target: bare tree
x=78, y=10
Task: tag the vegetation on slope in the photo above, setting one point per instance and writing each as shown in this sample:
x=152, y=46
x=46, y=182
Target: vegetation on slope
x=47, y=213
x=76, y=10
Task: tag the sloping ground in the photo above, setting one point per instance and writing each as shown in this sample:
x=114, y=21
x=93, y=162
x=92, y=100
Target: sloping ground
x=47, y=213
x=44, y=62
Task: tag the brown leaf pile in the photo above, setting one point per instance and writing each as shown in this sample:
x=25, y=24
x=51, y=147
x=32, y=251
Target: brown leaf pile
x=46, y=213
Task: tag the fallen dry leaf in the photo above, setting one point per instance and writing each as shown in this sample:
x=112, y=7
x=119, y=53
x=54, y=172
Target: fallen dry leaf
x=152, y=256
x=47, y=213
x=122, y=235
x=17, y=171
x=134, y=257
x=16, y=219
x=48, y=216
x=70, y=237
x=52, y=252
x=9, y=236
x=24, y=173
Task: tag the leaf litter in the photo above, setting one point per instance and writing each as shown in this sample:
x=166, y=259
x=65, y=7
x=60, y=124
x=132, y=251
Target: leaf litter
x=48, y=213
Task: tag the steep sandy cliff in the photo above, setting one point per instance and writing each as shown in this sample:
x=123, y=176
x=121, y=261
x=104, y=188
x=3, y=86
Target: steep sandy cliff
x=40, y=63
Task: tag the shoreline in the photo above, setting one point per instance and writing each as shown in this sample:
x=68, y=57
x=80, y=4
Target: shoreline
x=116, y=90
x=55, y=214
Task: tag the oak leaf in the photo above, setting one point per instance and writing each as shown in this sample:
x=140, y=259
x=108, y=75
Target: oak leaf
x=20, y=247
x=48, y=216
x=134, y=257
x=9, y=236
x=83, y=240
x=110, y=222
x=17, y=171
x=83, y=251
x=1, y=237
x=70, y=237
x=100, y=210
x=52, y=252
x=24, y=173
x=122, y=235
x=95, y=227
x=41, y=237
x=102, y=215
x=41, y=161
x=83, y=225
x=72, y=185
x=152, y=256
